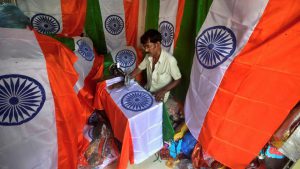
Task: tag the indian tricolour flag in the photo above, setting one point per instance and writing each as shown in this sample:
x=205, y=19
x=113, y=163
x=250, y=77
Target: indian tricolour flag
x=65, y=17
x=39, y=109
x=245, y=77
x=165, y=16
x=89, y=67
x=112, y=23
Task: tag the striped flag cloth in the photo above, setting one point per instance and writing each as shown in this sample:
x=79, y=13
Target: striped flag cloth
x=64, y=17
x=89, y=67
x=244, y=78
x=165, y=16
x=113, y=22
x=126, y=57
x=39, y=109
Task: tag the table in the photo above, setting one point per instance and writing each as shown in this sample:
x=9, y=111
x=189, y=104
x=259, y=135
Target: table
x=135, y=117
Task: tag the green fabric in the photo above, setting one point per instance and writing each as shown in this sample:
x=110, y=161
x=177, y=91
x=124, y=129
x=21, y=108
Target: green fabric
x=168, y=131
x=93, y=26
x=202, y=10
x=69, y=42
x=185, y=47
x=107, y=62
x=152, y=14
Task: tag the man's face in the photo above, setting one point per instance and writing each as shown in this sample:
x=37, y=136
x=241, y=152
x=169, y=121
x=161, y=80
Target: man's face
x=150, y=48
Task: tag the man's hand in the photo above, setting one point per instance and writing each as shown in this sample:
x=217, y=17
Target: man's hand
x=160, y=95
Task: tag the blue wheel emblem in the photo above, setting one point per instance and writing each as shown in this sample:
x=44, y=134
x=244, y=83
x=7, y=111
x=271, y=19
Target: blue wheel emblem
x=21, y=99
x=114, y=24
x=126, y=58
x=167, y=33
x=214, y=46
x=137, y=101
x=85, y=50
x=45, y=24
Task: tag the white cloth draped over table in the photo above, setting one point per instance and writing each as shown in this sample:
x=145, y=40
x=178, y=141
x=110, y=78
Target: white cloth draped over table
x=145, y=125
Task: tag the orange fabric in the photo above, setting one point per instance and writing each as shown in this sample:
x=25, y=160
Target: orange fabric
x=178, y=20
x=73, y=16
x=62, y=77
x=131, y=9
x=87, y=93
x=119, y=124
x=127, y=150
x=258, y=90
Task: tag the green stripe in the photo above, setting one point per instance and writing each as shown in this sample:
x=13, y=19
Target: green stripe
x=152, y=14
x=93, y=26
x=168, y=131
x=107, y=62
x=193, y=17
x=69, y=42
x=203, y=8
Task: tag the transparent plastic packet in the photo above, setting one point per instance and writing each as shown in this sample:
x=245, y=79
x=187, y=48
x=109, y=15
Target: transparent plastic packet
x=101, y=152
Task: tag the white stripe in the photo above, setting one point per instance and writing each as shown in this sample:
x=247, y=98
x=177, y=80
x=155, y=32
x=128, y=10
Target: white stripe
x=84, y=51
x=241, y=18
x=111, y=11
x=128, y=69
x=145, y=126
x=168, y=13
x=52, y=8
x=32, y=144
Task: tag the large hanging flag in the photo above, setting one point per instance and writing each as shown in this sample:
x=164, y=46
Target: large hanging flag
x=184, y=52
x=39, y=109
x=245, y=77
x=64, y=17
x=165, y=15
x=113, y=22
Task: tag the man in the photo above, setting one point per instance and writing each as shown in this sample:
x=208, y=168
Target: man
x=162, y=71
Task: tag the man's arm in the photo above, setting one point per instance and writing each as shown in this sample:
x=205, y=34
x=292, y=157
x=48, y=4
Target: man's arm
x=134, y=73
x=160, y=94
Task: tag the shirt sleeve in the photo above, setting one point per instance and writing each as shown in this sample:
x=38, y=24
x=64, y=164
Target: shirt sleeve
x=175, y=72
x=143, y=64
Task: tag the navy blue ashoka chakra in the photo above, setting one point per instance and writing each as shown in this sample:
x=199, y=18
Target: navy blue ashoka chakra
x=114, y=24
x=21, y=99
x=167, y=32
x=126, y=58
x=85, y=50
x=137, y=101
x=45, y=24
x=214, y=46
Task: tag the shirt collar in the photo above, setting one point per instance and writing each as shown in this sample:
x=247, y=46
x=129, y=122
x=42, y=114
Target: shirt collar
x=161, y=59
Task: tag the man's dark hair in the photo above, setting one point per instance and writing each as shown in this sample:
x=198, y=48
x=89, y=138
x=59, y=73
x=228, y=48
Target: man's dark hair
x=152, y=35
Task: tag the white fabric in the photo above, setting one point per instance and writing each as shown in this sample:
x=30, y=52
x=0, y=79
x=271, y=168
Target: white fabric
x=52, y=8
x=168, y=12
x=83, y=66
x=87, y=132
x=239, y=16
x=291, y=148
x=114, y=53
x=32, y=144
x=145, y=126
x=113, y=7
